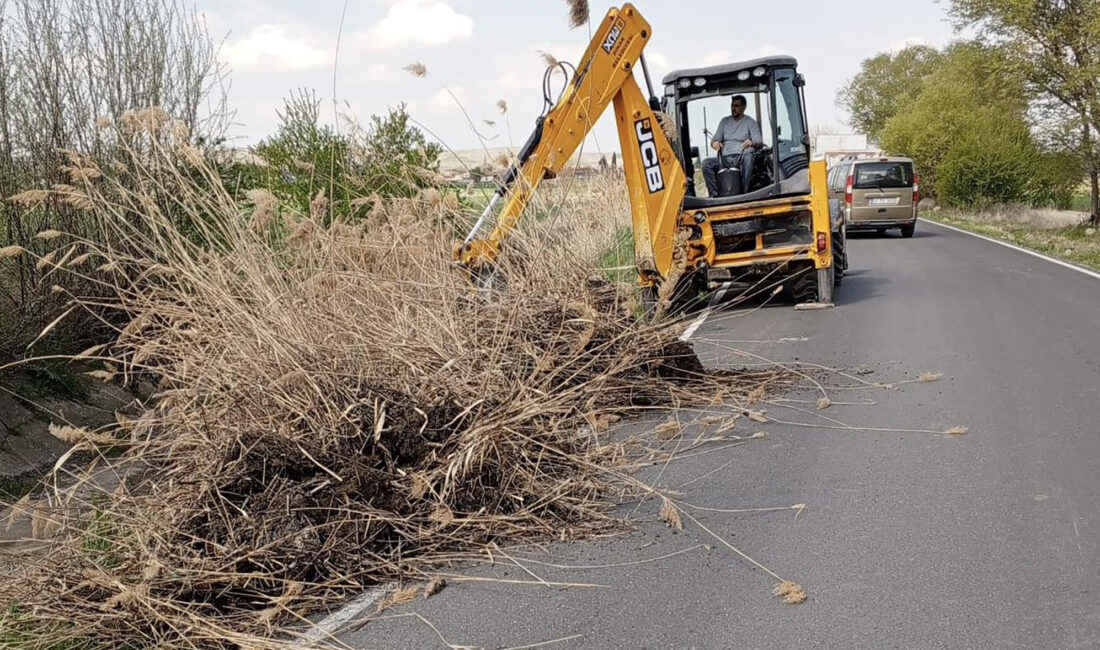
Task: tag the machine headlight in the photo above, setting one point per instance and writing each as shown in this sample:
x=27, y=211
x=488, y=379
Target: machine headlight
x=684, y=83
x=743, y=75
x=759, y=71
x=700, y=82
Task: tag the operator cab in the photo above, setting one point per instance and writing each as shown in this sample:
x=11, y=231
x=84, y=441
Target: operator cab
x=696, y=99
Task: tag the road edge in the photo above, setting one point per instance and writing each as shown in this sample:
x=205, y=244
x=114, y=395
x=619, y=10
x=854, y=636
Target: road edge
x=1054, y=260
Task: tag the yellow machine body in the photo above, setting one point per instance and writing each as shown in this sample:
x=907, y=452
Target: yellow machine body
x=655, y=176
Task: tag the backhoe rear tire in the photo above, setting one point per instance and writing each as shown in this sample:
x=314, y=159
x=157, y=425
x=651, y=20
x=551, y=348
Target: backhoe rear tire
x=804, y=287
x=840, y=256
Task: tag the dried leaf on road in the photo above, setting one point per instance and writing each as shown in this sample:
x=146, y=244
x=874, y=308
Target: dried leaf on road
x=757, y=416
x=791, y=593
x=434, y=587
x=957, y=430
x=668, y=430
x=930, y=376
x=670, y=515
x=823, y=403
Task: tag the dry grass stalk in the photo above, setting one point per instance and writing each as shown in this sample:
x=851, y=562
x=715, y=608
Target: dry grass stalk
x=318, y=207
x=578, y=12
x=338, y=410
x=263, y=212
x=668, y=125
x=668, y=430
x=11, y=251
x=45, y=260
x=29, y=198
x=416, y=69
x=75, y=435
x=549, y=59
x=82, y=174
x=49, y=234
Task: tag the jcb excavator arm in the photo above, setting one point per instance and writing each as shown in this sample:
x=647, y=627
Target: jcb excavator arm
x=654, y=175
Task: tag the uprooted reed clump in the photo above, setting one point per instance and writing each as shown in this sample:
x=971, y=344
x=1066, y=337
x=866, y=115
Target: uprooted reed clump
x=336, y=408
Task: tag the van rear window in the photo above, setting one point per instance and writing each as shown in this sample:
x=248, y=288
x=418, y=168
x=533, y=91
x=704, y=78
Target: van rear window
x=883, y=174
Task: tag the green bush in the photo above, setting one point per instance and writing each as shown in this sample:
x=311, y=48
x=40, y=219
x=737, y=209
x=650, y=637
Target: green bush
x=988, y=165
x=1056, y=177
x=390, y=158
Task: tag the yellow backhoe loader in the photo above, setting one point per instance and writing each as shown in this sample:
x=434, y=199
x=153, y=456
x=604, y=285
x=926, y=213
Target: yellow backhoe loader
x=766, y=227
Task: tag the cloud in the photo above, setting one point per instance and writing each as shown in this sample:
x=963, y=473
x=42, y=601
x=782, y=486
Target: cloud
x=422, y=22
x=272, y=47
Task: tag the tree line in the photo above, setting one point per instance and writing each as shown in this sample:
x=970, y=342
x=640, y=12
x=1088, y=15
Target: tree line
x=1009, y=116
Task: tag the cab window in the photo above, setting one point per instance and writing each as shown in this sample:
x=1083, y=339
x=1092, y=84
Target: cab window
x=790, y=127
x=883, y=175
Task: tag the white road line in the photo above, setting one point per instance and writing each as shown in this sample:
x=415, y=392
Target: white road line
x=702, y=318
x=1068, y=265
x=695, y=325
x=330, y=625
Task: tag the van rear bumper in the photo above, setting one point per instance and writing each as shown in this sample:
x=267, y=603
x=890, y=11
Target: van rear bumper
x=881, y=223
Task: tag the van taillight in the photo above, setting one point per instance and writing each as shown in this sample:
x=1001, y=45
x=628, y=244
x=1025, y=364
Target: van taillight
x=822, y=242
x=848, y=190
x=916, y=188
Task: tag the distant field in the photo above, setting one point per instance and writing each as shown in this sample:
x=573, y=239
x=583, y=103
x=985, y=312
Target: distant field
x=464, y=159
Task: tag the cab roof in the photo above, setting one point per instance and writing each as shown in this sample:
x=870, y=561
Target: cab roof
x=729, y=68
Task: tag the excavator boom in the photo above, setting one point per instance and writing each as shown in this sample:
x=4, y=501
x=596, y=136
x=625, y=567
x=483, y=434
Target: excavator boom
x=654, y=174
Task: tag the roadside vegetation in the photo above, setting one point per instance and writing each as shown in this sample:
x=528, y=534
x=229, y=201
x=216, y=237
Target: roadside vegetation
x=1009, y=118
x=334, y=407
x=1078, y=243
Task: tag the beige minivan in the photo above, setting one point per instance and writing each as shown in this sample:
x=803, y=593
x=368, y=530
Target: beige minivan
x=877, y=193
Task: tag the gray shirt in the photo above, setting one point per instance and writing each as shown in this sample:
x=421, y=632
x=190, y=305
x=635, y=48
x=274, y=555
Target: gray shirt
x=732, y=133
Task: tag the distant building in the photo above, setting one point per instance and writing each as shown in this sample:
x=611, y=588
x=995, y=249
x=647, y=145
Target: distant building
x=834, y=146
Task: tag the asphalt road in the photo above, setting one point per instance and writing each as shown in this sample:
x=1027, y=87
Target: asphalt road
x=909, y=540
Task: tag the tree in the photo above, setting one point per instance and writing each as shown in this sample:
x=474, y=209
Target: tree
x=303, y=157
x=397, y=159
x=1055, y=44
x=966, y=129
x=885, y=86
x=69, y=70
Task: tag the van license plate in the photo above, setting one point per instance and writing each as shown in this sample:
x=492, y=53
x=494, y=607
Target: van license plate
x=884, y=201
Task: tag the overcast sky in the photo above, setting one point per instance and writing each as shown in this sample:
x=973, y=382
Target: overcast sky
x=487, y=50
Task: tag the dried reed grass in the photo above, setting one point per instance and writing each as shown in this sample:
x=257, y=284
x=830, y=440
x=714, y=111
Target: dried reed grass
x=337, y=408
x=578, y=12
